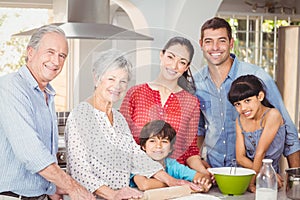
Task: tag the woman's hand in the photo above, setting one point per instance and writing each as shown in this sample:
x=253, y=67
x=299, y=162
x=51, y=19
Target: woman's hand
x=127, y=193
x=193, y=186
x=80, y=193
x=171, y=181
x=196, y=163
x=204, y=183
x=205, y=164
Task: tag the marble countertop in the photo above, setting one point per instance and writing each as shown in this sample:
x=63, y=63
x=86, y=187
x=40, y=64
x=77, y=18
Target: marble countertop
x=214, y=191
x=246, y=196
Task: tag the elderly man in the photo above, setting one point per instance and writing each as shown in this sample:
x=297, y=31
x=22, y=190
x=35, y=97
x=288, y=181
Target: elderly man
x=28, y=128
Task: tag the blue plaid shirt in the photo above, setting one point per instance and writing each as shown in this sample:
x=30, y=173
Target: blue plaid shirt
x=28, y=132
x=217, y=120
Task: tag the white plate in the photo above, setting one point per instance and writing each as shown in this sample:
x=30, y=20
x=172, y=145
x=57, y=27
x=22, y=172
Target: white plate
x=199, y=196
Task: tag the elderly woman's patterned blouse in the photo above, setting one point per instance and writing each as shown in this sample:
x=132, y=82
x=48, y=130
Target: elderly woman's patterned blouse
x=102, y=154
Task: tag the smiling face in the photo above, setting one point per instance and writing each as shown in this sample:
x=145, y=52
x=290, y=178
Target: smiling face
x=216, y=46
x=47, y=60
x=112, y=85
x=158, y=148
x=174, y=61
x=249, y=107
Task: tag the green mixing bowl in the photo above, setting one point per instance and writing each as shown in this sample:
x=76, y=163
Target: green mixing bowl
x=231, y=183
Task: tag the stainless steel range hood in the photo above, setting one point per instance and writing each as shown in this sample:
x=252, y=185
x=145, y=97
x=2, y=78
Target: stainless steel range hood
x=88, y=19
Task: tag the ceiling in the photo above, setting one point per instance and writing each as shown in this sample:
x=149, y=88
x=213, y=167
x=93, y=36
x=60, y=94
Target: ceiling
x=227, y=6
x=261, y=6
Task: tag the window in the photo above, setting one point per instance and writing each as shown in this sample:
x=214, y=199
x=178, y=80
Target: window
x=13, y=49
x=256, y=39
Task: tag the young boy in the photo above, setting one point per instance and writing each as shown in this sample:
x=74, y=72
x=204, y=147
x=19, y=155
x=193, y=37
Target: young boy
x=157, y=139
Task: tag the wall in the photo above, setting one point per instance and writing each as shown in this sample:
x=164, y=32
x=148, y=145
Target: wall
x=26, y=3
x=159, y=19
x=174, y=17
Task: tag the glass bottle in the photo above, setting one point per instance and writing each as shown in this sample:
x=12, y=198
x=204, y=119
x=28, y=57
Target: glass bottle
x=266, y=182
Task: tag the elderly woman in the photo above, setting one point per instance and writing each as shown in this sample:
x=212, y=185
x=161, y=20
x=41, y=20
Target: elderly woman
x=101, y=150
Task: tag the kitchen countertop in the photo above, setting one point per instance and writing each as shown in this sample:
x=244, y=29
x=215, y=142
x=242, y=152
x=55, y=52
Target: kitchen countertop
x=246, y=196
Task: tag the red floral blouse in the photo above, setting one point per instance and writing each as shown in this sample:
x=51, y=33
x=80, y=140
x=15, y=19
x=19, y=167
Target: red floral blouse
x=182, y=110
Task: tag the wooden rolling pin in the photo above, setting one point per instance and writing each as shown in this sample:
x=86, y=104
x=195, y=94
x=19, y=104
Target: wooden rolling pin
x=167, y=192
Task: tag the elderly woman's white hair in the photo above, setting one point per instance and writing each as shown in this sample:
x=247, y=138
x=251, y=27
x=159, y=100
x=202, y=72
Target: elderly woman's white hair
x=110, y=60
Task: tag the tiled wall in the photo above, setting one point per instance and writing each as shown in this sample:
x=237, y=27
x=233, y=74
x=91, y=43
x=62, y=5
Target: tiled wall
x=62, y=118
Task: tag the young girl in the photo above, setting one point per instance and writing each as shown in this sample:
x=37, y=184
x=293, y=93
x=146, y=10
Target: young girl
x=157, y=139
x=260, y=130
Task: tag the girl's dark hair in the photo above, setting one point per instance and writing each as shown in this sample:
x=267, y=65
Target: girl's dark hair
x=186, y=81
x=158, y=128
x=247, y=86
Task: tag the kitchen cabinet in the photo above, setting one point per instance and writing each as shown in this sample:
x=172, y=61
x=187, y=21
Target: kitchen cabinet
x=288, y=70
